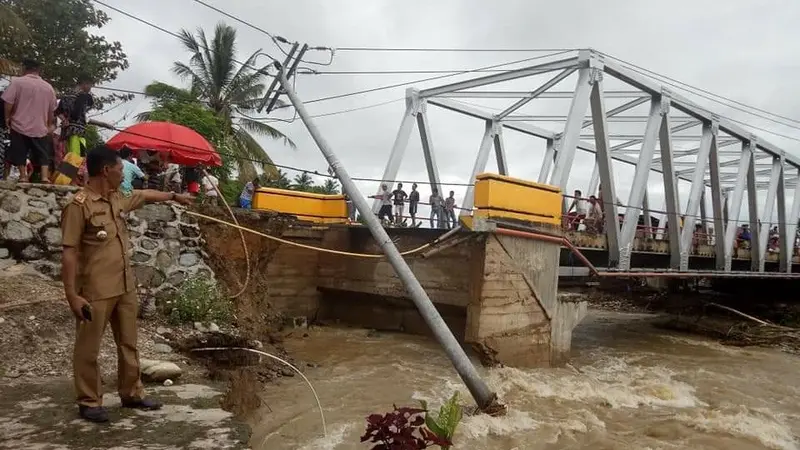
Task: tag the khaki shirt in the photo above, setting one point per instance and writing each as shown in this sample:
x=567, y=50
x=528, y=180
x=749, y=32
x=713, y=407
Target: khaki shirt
x=97, y=228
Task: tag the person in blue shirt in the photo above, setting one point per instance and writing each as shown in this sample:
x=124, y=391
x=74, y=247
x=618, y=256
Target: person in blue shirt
x=129, y=171
x=246, y=197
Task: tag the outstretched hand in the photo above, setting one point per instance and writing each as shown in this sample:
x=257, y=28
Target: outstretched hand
x=184, y=199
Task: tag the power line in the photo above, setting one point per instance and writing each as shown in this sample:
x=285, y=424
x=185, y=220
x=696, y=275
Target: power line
x=275, y=39
x=388, y=72
x=422, y=80
x=164, y=30
x=454, y=50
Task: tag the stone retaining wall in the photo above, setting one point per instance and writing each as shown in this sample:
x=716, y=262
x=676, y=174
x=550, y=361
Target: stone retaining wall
x=166, y=246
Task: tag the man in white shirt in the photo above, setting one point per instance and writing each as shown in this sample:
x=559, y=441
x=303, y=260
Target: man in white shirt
x=581, y=207
x=210, y=186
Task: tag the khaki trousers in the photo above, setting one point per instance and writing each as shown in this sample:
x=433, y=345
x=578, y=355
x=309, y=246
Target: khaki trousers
x=121, y=313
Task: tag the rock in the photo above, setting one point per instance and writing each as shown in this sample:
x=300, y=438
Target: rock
x=172, y=233
x=162, y=330
x=190, y=232
x=140, y=257
x=162, y=348
x=275, y=338
x=2, y=320
x=34, y=217
x=148, y=244
x=177, y=278
x=149, y=277
x=11, y=203
x=167, y=382
x=200, y=327
x=300, y=322
x=31, y=253
x=213, y=328
x=4, y=253
x=188, y=259
x=257, y=345
x=36, y=192
x=17, y=232
x=164, y=259
x=38, y=204
x=52, y=236
x=31, y=318
x=159, y=371
x=287, y=372
x=150, y=213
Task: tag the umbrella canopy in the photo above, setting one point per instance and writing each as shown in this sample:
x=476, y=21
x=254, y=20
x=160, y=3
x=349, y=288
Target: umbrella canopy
x=182, y=145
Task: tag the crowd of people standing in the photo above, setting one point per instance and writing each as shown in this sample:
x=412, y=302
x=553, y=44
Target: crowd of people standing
x=32, y=114
x=393, y=203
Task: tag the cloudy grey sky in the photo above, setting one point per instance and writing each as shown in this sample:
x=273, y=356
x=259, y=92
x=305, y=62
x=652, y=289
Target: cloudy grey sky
x=741, y=51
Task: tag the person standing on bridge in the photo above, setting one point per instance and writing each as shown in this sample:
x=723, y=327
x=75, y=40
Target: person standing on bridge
x=413, y=202
x=385, y=213
x=437, y=208
x=99, y=283
x=400, y=197
x=450, y=210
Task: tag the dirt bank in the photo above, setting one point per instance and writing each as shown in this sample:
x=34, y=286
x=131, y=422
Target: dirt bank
x=736, y=320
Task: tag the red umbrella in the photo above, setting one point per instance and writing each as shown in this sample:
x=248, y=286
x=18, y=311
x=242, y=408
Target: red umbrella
x=183, y=145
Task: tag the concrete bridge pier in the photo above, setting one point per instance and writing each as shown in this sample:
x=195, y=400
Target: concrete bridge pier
x=514, y=315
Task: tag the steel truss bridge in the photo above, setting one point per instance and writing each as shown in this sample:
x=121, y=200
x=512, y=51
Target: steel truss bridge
x=674, y=140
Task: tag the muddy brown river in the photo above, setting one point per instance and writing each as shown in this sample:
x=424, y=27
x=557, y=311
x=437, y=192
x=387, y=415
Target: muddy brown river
x=631, y=386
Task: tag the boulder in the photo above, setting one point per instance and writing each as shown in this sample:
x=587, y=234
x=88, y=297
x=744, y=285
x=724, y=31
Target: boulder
x=158, y=371
x=17, y=231
x=11, y=203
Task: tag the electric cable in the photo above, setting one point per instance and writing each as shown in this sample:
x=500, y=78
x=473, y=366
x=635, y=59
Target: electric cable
x=281, y=360
x=306, y=246
x=275, y=39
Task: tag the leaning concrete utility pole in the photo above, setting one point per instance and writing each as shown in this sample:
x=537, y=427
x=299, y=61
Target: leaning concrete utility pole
x=479, y=390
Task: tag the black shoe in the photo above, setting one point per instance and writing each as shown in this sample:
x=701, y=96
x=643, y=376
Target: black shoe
x=96, y=414
x=145, y=404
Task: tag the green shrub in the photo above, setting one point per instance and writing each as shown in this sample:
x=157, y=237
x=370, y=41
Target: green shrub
x=199, y=299
x=445, y=423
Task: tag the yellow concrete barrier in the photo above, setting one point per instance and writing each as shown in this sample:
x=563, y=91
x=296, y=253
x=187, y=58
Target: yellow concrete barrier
x=498, y=197
x=316, y=208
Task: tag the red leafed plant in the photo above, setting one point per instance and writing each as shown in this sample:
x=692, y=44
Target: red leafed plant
x=401, y=429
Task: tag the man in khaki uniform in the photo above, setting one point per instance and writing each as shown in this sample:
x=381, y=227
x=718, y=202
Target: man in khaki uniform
x=99, y=282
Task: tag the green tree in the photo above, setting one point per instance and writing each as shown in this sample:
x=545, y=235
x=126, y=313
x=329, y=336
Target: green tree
x=303, y=182
x=170, y=105
x=93, y=137
x=278, y=180
x=230, y=90
x=59, y=34
x=330, y=187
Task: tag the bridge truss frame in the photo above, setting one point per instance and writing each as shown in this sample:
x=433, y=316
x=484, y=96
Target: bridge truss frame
x=662, y=125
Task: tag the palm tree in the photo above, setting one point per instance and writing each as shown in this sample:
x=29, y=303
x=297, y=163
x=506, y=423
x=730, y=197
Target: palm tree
x=303, y=182
x=279, y=180
x=231, y=90
x=330, y=187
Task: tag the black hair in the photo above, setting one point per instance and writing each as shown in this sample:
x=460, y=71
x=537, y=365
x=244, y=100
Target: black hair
x=30, y=65
x=85, y=79
x=99, y=158
x=125, y=153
